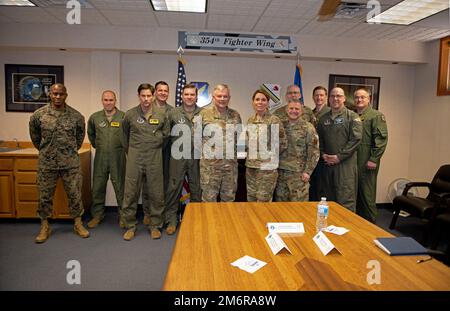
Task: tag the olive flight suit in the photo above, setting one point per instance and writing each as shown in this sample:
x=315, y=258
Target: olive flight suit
x=109, y=161
x=181, y=167
x=314, y=183
x=143, y=139
x=166, y=159
x=340, y=135
x=373, y=144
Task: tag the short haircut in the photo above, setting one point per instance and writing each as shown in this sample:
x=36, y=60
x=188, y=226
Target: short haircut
x=362, y=89
x=161, y=83
x=319, y=87
x=190, y=86
x=261, y=91
x=291, y=87
x=296, y=101
x=146, y=86
x=109, y=91
x=220, y=87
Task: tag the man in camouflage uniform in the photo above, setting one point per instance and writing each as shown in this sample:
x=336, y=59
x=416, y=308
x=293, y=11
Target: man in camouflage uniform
x=144, y=130
x=57, y=131
x=293, y=92
x=339, y=134
x=300, y=158
x=183, y=119
x=373, y=144
x=320, y=98
x=104, y=130
x=218, y=174
x=161, y=96
x=262, y=161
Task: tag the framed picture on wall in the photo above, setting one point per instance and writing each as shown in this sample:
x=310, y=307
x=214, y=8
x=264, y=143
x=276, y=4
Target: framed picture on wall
x=444, y=68
x=351, y=83
x=27, y=87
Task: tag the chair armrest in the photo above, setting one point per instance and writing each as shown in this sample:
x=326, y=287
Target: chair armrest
x=443, y=195
x=415, y=184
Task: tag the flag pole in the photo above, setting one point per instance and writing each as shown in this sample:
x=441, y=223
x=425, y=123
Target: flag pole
x=180, y=53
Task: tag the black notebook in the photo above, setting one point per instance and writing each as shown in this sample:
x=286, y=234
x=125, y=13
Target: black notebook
x=400, y=246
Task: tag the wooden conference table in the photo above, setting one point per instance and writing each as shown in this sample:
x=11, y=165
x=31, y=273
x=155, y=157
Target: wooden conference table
x=213, y=235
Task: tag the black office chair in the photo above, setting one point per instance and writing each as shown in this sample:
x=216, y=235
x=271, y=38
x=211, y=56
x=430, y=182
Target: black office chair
x=428, y=208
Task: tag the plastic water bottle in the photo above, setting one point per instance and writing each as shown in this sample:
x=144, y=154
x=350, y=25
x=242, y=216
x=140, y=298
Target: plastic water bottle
x=322, y=214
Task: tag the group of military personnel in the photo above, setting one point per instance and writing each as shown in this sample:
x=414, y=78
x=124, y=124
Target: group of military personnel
x=307, y=154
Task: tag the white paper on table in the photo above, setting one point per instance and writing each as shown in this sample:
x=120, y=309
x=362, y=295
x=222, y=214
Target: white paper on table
x=285, y=227
x=276, y=243
x=249, y=264
x=336, y=230
x=323, y=243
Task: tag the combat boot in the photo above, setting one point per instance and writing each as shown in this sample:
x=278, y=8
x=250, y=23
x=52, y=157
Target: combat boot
x=146, y=220
x=94, y=222
x=79, y=229
x=155, y=233
x=129, y=235
x=44, y=234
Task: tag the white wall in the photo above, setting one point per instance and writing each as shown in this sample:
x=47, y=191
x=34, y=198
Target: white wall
x=88, y=73
x=430, y=133
x=101, y=57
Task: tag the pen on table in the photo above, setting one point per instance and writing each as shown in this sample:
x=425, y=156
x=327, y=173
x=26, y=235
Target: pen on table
x=424, y=259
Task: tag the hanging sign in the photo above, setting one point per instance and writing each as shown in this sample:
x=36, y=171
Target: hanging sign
x=236, y=42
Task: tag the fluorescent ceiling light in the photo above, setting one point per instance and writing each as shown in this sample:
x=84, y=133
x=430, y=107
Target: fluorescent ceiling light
x=195, y=6
x=410, y=11
x=17, y=2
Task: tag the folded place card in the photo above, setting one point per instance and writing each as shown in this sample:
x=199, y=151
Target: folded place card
x=276, y=243
x=324, y=243
x=286, y=227
x=248, y=264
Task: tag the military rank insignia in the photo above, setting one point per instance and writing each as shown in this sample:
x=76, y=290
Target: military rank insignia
x=115, y=124
x=153, y=121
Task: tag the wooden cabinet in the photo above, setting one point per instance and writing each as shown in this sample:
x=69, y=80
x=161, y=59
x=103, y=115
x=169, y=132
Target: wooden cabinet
x=19, y=193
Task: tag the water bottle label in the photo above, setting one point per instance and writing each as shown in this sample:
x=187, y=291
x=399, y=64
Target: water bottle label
x=323, y=209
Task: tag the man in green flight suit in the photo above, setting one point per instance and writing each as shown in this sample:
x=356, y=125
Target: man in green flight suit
x=104, y=131
x=144, y=130
x=293, y=92
x=320, y=98
x=57, y=131
x=160, y=103
x=340, y=133
x=373, y=144
x=183, y=161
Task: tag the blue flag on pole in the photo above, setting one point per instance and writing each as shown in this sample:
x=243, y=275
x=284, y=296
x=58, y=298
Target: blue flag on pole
x=298, y=80
x=181, y=82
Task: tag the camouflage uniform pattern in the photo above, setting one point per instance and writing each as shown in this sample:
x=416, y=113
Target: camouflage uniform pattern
x=307, y=114
x=314, y=182
x=143, y=140
x=166, y=108
x=340, y=135
x=58, y=135
x=109, y=161
x=219, y=175
x=179, y=168
x=300, y=157
x=261, y=180
x=373, y=144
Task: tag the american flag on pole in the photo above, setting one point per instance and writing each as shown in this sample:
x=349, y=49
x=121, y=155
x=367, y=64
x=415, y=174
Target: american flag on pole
x=298, y=79
x=181, y=82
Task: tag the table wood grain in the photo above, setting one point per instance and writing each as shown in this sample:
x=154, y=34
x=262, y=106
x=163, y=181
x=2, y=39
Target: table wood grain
x=213, y=235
